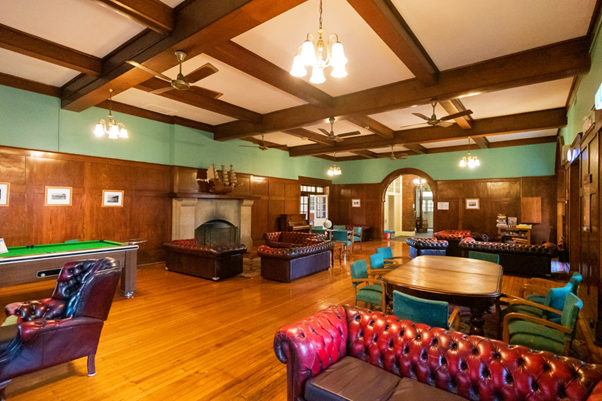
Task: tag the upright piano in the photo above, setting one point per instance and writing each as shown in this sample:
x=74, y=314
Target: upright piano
x=294, y=222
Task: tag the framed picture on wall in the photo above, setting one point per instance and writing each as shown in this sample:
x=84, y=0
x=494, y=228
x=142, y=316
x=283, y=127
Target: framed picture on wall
x=58, y=196
x=4, y=188
x=112, y=198
x=472, y=203
x=355, y=203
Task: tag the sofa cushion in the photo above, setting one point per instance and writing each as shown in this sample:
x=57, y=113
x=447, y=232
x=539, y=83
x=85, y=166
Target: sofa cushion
x=351, y=379
x=413, y=390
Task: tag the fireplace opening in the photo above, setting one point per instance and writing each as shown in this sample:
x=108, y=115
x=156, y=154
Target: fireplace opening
x=216, y=233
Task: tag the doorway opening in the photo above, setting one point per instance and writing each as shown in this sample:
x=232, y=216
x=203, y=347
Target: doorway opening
x=409, y=207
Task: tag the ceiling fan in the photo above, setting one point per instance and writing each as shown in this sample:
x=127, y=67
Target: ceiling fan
x=183, y=82
x=398, y=157
x=441, y=122
x=337, y=138
x=262, y=145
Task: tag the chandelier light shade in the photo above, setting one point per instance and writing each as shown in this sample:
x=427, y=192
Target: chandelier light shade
x=334, y=170
x=320, y=55
x=469, y=161
x=110, y=127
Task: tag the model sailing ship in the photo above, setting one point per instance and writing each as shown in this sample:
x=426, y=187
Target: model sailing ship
x=224, y=184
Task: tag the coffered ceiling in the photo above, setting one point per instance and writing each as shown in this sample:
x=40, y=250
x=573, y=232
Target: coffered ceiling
x=512, y=63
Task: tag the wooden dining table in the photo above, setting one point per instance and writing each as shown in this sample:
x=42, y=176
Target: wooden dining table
x=460, y=281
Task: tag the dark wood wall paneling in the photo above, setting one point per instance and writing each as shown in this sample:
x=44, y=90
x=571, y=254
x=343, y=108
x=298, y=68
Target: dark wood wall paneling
x=368, y=214
x=146, y=213
x=409, y=206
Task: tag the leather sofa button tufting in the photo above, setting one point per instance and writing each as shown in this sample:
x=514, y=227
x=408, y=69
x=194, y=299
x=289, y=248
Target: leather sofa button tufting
x=463, y=366
x=509, y=378
x=475, y=351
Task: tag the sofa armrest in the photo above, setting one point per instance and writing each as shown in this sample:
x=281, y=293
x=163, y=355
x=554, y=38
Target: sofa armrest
x=30, y=330
x=47, y=308
x=596, y=394
x=310, y=346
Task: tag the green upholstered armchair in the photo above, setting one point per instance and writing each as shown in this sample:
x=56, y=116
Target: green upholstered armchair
x=317, y=229
x=488, y=257
x=419, y=310
x=339, y=227
x=377, y=262
x=535, y=289
x=387, y=254
x=542, y=334
x=368, y=288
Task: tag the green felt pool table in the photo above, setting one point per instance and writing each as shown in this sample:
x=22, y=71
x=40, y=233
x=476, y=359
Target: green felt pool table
x=32, y=263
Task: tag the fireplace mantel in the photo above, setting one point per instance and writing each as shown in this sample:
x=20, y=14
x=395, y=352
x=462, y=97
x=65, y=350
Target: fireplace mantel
x=206, y=195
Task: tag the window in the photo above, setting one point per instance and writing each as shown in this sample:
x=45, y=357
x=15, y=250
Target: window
x=304, y=205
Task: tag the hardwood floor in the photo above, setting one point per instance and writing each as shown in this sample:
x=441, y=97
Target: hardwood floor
x=185, y=338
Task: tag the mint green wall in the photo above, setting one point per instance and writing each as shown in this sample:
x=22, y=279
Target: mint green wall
x=34, y=121
x=584, y=97
x=516, y=161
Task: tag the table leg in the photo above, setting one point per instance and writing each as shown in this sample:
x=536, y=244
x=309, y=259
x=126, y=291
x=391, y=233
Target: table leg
x=128, y=274
x=476, y=319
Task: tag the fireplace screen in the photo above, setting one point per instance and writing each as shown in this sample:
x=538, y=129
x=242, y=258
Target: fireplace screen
x=216, y=233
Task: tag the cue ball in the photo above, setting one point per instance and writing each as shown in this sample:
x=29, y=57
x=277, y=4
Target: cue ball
x=42, y=274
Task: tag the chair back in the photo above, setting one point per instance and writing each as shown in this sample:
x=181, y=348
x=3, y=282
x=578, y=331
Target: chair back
x=385, y=252
x=340, y=236
x=339, y=227
x=317, y=229
x=357, y=230
x=419, y=310
x=92, y=287
x=575, y=280
x=377, y=262
x=488, y=257
x=359, y=270
x=570, y=312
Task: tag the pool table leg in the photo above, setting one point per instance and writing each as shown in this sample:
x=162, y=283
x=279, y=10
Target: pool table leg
x=128, y=274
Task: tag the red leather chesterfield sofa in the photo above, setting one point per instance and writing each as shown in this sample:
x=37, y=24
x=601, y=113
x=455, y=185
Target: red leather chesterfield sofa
x=359, y=354
x=527, y=260
x=453, y=237
x=289, y=256
x=426, y=246
x=187, y=256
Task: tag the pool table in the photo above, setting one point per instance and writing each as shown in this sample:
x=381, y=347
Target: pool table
x=32, y=263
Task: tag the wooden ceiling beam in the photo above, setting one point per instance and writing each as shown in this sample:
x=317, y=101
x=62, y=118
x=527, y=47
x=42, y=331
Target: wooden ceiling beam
x=452, y=107
x=537, y=120
x=502, y=144
x=481, y=142
x=153, y=14
x=45, y=50
x=312, y=136
x=385, y=20
x=250, y=63
x=366, y=154
x=28, y=85
x=416, y=148
x=560, y=60
x=206, y=103
x=370, y=124
x=200, y=25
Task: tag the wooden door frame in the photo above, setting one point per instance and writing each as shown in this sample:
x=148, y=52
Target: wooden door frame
x=384, y=184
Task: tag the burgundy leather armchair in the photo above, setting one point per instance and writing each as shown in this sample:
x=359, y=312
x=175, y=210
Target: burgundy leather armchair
x=435, y=362
x=62, y=328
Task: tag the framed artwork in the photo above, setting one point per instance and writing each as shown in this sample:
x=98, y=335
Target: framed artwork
x=4, y=188
x=472, y=203
x=355, y=203
x=111, y=198
x=58, y=196
x=442, y=205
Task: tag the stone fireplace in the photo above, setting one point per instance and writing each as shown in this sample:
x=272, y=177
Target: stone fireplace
x=188, y=214
x=216, y=233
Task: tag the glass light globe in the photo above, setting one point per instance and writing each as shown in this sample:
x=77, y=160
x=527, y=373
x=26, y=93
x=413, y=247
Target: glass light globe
x=317, y=76
x=308, y=53
x=298, y=68
x=99, y=131
x=339, y=71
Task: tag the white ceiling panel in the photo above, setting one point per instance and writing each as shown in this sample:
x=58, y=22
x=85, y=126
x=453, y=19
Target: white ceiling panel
x=145, y=100
x=444, y=144
x=522, y=135
x=371, y=62
x=404, y=119
x=284, y=139
x=546, y=95
x=238, y=88
x=79, y=24
x=172, y=3
x=462, y=32
x=33, y=69
x=341, y=154
x=396, y=148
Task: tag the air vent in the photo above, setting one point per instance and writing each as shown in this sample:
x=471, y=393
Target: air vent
x=160, y=109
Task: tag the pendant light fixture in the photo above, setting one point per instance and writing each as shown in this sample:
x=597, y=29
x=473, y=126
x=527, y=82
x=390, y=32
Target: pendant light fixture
x=334, y=170
x=312, y=53
x=469, y=161
x=111, y=127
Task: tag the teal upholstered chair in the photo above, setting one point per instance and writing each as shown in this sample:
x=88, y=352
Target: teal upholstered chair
x=341, y=238
x=357, y=236
x=535, y=289
x=317, y=230
x=542, y=334
x=368, y=288
x=339, y=228
x=377, y=262
x=488, y=257
x=387, y=255
x=555, y=298
x=419, y=310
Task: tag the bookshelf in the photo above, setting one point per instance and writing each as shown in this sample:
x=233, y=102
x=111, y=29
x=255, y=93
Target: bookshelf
x=518, y=235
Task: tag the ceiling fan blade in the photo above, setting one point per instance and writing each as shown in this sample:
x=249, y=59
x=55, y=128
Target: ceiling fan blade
x=161, y=90
x=337, y=138
x=421, y=116
x=325, y=132
x=456, y=115
x=348, y=134
x=411, y=125
x=155, y=73
x=200, y=73
x=205, y=92
x=444, y=124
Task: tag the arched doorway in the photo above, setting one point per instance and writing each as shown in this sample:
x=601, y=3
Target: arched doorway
x=408, y=194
